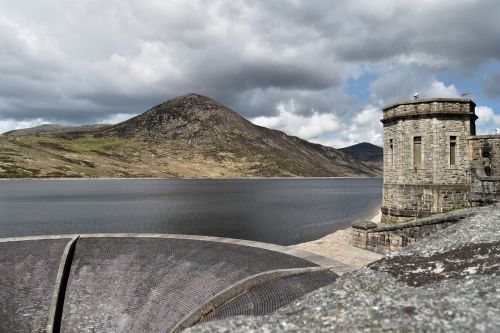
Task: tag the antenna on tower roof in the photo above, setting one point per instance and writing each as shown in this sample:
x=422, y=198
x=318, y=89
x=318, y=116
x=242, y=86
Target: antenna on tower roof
x=415, y=96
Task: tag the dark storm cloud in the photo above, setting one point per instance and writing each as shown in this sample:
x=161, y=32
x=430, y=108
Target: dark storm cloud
x=491, y=85
x=258, y=102
x=86, y=61
x=261, y=75
x=458, y=34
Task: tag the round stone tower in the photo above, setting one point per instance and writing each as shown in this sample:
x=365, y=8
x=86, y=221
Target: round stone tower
x=426, y=159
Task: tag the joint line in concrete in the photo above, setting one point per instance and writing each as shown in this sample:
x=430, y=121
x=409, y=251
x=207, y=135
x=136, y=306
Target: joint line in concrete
x=57, y=304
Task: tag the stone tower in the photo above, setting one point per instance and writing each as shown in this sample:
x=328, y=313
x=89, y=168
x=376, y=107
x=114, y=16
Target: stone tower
x=426, y=157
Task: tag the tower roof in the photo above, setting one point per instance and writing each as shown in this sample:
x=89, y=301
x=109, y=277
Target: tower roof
x=429, y=100
x=429, y=107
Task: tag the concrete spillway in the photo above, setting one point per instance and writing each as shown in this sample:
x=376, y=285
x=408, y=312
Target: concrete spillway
x=147, y=283
x=28, y=271
x=272, y=295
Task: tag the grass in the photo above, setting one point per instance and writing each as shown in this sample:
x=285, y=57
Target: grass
x=84, y=143
x=12, y=171
x=90, y=155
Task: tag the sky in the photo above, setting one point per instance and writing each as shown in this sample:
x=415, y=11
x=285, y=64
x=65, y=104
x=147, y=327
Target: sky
x=317, y=69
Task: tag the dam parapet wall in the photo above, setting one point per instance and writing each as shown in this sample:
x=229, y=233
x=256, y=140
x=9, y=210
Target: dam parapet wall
x=389, y=238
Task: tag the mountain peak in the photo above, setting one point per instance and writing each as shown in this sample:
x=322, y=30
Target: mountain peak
x=187, y=102
x=191, y=99
x=366, y=145
x=187, y=116
x=188, y=136
x=366, y=152
x=192, y=95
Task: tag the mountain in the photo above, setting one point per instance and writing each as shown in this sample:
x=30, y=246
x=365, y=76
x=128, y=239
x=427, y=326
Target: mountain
x=188, y=136
x=55, y=128
x=368, y=153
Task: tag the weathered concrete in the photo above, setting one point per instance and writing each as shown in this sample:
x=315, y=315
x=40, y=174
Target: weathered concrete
x=271, y=296
x=148, y=285
x=242, y=287
x=449, y=282
x=339, y=268
x=60, y=284
x=133, y=282
x=339, y=246
x=28, y=271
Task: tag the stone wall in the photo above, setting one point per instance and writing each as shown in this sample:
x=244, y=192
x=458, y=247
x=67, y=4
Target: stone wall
x=436, y=184
x=429, y=107
x=407, y=202
x=435, y=167
x=484, y=189
x=485, y=153
x=485, y=169
x=384, y=239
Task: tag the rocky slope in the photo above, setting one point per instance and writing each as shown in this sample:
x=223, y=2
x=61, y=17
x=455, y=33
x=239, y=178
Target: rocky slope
x=367, y=153
x=449, y=282
x=189, y=136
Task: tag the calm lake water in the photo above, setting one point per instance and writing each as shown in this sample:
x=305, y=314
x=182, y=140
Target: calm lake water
x=280, y=211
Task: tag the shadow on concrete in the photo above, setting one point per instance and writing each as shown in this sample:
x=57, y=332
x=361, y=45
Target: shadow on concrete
x=146, y=283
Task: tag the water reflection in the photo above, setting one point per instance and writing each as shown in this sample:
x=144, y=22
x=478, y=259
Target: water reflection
x=281, y=211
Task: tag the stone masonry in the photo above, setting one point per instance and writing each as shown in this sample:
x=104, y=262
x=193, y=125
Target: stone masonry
x=388, y=238
x=434, y=181
x=433, y=160
x=485, y=169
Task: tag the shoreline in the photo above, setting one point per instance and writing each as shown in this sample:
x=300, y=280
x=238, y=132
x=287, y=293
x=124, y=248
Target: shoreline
x=187, y=178
x=338, y=246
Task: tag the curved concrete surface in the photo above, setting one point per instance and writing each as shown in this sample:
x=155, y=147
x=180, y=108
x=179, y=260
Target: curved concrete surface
x=241, y=287
x=28, y=271
x=271, y=295
x=129, y=282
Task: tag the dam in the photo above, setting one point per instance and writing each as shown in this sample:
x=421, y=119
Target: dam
x=148, y=282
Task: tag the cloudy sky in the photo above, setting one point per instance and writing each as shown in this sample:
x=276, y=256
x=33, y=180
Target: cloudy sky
x=317, y=69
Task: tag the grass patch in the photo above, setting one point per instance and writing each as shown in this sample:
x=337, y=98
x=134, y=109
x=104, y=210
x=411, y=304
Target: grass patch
x=12, y=171
x=88, y=143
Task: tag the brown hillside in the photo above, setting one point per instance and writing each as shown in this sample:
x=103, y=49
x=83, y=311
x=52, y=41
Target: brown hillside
x=188, y=136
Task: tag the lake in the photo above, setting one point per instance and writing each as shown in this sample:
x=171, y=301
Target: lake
x=280, y=211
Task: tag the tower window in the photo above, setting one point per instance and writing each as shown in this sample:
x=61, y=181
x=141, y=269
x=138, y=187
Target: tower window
x=453, y=150
x=417, y=151
x=485, y=152
x=391, y=152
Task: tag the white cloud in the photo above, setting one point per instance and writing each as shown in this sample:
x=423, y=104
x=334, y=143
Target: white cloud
x=486, y=116
x=363, y=127
x=100, y=59
x=305, y=127
x=9, y=125
x=327, y=129
x=115, y=118
x=402, y=83
x=439, y=89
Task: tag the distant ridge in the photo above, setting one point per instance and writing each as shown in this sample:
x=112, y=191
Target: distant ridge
x=188, y=136
x=366, y=152
x=55, y=128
